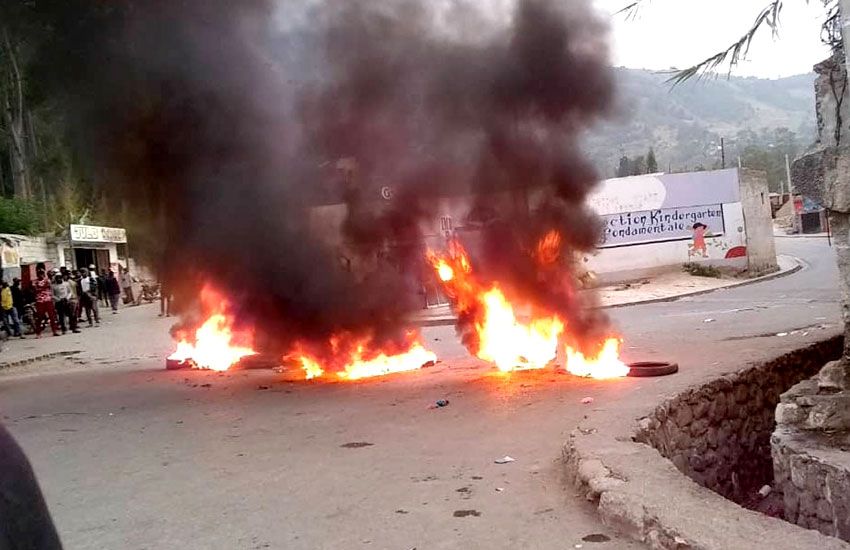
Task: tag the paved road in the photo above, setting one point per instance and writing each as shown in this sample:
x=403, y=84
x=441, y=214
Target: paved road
x=133, y=457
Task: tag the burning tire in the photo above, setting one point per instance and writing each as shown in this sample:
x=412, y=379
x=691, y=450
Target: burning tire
x=644, y=369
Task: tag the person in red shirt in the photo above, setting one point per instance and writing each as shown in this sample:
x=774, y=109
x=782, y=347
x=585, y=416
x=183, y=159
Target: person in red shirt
x=44, y=303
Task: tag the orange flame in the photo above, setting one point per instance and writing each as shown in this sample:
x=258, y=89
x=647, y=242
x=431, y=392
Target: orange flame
x=215, y=345
x=511, y=344
x=500, y=337
x=605, y=365
x=549, y=249
x=353, y=358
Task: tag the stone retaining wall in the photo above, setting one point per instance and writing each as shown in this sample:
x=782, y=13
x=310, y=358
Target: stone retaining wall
x=719, y=434
x=812, y=472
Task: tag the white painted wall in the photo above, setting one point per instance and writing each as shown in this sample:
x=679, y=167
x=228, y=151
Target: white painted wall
x=628, y=261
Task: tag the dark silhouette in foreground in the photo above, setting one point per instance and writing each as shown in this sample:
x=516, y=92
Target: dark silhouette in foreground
x=25, y=523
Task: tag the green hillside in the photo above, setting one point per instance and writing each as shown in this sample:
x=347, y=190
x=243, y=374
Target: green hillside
x=684, y=124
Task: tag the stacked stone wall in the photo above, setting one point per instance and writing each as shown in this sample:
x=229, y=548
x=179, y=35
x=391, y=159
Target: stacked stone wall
x=719, y=434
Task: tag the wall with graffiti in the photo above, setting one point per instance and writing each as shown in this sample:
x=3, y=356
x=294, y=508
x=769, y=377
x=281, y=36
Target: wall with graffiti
x=657, y=221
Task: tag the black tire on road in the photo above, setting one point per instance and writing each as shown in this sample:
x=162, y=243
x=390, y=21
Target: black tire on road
x=644, y=369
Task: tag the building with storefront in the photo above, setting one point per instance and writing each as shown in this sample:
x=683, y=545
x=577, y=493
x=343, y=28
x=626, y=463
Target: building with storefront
x=80, y=246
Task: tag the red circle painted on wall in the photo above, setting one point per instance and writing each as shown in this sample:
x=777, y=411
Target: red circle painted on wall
x=736, y=252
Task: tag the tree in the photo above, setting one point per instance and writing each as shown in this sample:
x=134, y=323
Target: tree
x=18, y=216
x=637, y=166
x=12, y=102
x=623, y=168
x=651, y=163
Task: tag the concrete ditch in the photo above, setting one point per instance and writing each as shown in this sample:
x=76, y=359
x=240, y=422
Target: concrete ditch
x=717, y=435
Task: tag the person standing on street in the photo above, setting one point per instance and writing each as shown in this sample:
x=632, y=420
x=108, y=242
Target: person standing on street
x=18, y=296
x=127, y=285
x=44, y=303
x=165, y=296
x=101, y=287
x=88, y=296
x=70, y=279
x=10, y=314
x=60, y=300
x=113, y=289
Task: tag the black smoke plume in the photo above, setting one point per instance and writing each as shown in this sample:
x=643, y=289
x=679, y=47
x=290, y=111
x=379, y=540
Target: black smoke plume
x=217, y=125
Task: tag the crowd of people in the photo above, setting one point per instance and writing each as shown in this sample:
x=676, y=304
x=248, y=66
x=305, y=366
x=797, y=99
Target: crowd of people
x=59, y=298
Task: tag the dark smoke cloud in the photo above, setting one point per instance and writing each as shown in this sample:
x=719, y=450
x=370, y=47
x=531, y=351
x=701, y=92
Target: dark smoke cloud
x=215, y=122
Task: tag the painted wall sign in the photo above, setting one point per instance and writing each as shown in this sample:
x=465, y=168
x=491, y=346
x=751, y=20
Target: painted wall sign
x=96, y=234
x=650, y=192
x=9, y=256
x=667, y=224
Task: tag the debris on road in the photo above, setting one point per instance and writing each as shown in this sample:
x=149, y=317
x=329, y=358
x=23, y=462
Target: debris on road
x=356, y=445
x=782, y=334
x=499, y=489
x=596, y=537
x=261, y=387
x=439, y=403
x=764, y=491
x=587, y=401
x=709, y=320
x=466, y=513
x=429, y=364
x=505, y=460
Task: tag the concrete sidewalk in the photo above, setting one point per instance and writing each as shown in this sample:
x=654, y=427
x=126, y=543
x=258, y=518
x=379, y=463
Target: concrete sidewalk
x=122, y=337
x=659, y=288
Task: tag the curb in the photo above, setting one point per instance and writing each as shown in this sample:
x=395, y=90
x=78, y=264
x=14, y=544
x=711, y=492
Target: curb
x=764, y=278
x=644, y=496
x=37, y=358
x=445, y=321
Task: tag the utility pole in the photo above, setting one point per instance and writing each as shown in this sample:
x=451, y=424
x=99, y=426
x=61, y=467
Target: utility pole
x=723, y=149
x=845, y=30
x=788, y=175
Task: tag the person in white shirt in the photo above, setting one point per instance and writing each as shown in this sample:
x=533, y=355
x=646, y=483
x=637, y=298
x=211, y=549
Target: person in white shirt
x=88, y=295
x=127, y=285
x=61, y=294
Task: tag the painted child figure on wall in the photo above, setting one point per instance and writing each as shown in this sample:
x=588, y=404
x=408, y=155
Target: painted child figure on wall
x=699, y=240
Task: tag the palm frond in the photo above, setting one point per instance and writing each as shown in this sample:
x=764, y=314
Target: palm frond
x=631, y=9
x=732, y=55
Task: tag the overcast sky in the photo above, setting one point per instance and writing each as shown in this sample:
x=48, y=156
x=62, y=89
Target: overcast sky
x=679, y=33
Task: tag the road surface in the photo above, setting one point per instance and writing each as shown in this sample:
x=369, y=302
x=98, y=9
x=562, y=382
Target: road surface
x=133, y=457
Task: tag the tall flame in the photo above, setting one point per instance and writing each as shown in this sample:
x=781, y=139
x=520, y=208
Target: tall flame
x=605, y=365
x=506, y=339
x=512, y=344
x=215, y=345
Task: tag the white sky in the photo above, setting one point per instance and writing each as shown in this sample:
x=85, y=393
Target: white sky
x=679, y=33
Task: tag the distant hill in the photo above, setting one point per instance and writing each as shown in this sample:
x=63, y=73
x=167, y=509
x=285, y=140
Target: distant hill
x=684, y=124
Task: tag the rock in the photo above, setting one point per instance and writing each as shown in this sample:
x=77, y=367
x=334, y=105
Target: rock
x=833, y=377
x=701, y=408
x=711, y=437
x=591, y=469
x=697, y=462
x=623, y=513
x=718, y=409
x=683, y=416
x=699, y=427
x=808, y=504
x=741, y=393
x=792, y=503
x=824, y=511
x=789, y=413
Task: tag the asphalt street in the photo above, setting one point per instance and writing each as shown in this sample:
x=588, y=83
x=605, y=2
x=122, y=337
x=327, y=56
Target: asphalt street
x=133, y=457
